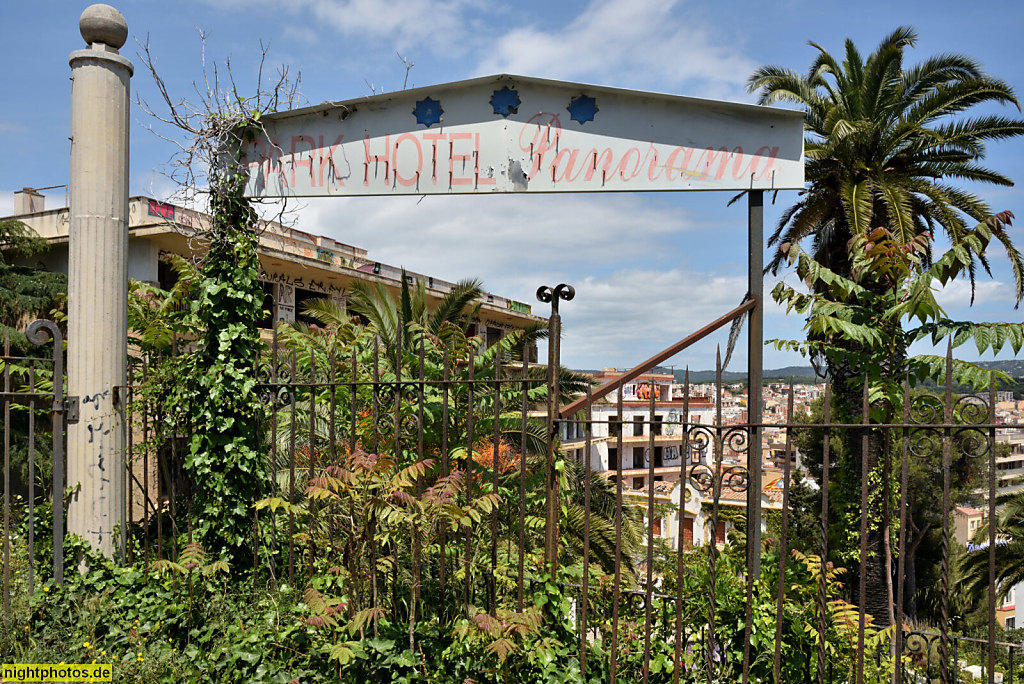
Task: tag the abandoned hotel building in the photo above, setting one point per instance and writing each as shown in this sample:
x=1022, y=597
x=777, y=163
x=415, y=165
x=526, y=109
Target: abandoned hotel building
x=295, y=266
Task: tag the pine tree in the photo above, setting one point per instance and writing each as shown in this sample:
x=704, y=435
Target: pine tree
x=25, y=292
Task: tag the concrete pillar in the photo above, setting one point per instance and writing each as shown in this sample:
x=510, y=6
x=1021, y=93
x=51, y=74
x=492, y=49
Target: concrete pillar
x=98, y=277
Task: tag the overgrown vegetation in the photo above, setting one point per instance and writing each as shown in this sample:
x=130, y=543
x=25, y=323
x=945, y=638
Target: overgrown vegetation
x=196, y=620
x=216, y=393
x=26, y=292
x=380, y=553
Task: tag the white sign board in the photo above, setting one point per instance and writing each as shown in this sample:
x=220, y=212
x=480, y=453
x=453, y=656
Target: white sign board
x=516, y=134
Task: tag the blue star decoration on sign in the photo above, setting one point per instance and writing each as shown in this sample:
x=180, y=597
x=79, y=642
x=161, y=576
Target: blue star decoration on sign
x=582, y=109
x=505, y=101
x=428, y=112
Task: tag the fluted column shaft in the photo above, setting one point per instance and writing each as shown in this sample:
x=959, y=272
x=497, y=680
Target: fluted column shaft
x=98, y=292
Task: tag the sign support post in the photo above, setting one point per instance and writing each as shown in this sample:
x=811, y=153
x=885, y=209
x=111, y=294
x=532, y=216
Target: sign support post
x=755, y=370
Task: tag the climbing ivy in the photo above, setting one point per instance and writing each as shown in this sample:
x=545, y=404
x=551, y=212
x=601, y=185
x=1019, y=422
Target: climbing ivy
x=225, y=460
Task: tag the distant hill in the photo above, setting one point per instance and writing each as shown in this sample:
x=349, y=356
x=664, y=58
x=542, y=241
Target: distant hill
x=805, y=374
x=799, y=374
x=1012, y=367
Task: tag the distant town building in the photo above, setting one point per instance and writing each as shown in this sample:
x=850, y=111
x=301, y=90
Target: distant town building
x=624, y=440
x=967, y=521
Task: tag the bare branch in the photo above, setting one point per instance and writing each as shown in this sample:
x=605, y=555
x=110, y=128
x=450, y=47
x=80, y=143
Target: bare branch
x=215, y=125
x=408, y=67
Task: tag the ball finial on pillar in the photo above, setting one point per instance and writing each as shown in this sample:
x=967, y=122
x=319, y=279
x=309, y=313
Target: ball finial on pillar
x=103, y=24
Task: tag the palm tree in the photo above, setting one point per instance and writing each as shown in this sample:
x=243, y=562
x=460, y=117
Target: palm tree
x=1009, y=552
x=884, y=146
x=390, y=319
x=402, y=324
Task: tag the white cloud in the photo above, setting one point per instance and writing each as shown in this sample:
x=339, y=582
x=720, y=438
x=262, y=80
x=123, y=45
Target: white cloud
x=621, y=252
x=629, y=316
x=957, y=294
x=510, y=241
x=11, y=127
x=437, y=25
x=649, y=44
x=640, y=286
x=640, y=43
x=6, y=202
x=406, y=22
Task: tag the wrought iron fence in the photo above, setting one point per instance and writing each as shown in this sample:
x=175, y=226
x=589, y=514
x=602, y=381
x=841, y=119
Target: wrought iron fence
x=33, y=391
x=436, y=478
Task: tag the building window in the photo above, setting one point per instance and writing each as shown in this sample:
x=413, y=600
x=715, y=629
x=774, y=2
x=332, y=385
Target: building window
x=613, y=458
x=657, y=527
x=614, y=426
x=638, y=426
x=638, y=457
x=493, y=336
x=658, y=460
x=166, y=276
x=301, y=297
x=638, y=483
x=268, y=305
x=656, y=425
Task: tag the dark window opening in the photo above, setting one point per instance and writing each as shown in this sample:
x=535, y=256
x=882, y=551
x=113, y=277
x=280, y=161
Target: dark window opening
x=638, y=426
x=656, y=425
x=493, y=336
x=638, y=457
x=613, y=459
x=531, y=353
x=301, y=297
x=638, y=483
x=614, y=426
x=658, y=460
x=165, y=275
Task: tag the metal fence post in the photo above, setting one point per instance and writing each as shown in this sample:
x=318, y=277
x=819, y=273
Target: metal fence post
x=755, y=359
x=548, y=295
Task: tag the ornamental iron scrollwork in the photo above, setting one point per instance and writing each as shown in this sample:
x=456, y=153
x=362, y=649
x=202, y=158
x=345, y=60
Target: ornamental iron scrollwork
x=971, y=410
x=562, y=291
x=737, y=439
x=735, y=477
x=926, y=409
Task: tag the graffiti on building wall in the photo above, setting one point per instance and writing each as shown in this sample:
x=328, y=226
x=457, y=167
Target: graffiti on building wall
x=643, y=391
x=161, y=209
x=303, y=283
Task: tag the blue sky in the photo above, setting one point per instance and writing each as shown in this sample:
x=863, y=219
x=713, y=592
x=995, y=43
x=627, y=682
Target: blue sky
x=648, y=268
